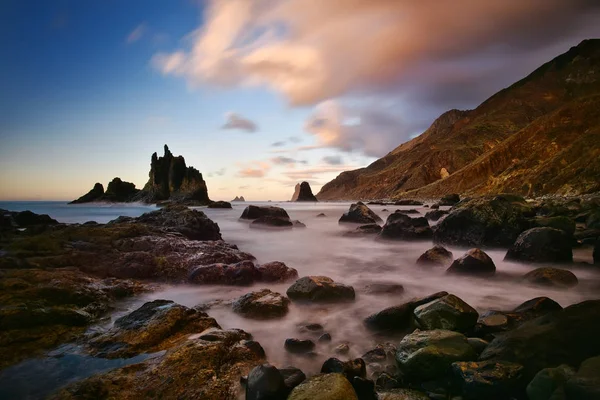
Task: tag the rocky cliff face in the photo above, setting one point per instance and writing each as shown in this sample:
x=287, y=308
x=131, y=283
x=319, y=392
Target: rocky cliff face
x=117, y=191
x=304, y=192
x=296, y=192
x=93, y=195
x=539, y=136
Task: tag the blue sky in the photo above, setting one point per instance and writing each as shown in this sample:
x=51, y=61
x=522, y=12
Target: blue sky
x=90, y=89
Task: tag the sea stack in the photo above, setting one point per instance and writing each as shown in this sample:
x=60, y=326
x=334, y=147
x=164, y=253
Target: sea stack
x=304, y=193
x=296, y=192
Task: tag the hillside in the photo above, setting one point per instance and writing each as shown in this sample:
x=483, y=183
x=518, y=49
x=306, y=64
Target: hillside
x=539, y=136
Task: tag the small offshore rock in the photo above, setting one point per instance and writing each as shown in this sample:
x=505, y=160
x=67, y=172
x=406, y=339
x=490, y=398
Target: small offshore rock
x=276, y=271
x=342, y=349
x=220, y=204
x=359, y=213
x=263, y=304
x=437, y=256
x=554, y=277
x=319, y=289
x=255, y=212
x=541, y=245
x=449, y=312
x=473, y=262
x=299, y=346
x=401, y=226
x=349, y=369
x=271, y=222
x=324, y=338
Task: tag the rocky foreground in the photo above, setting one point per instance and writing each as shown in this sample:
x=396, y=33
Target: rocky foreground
x=57, y=280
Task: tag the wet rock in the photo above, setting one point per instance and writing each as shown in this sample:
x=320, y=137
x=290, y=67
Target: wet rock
x=263, y=304
x=255, y=212
x=401, y=226
x=305, y=193
x=402, y=394
x=489, y=379
x=427, y=355
x=386, y=381
x=364, y=230
x=477, y=344
x=473, y=262
x=565, y=224
x=568, y=336
x=360, y=214
x=554, y=277
x=585, y=384
x=325, y=338
x=436, y=214
x=538, y=306
x=272, y=222
x=342, y=349
x=313, y=328
x=276, y=271
x=383, y=288
x=292, y=377
x=349, y=369
x=542, y=245
x=319, y=289
x=324, y=387
x=408, y=202
x=494, y=221
x=242, y=273
x=548, y=381
x=364, y=388
x=299, y=346
x=220, y=204
x=436, y=256
x=265, y=382
x=193, y=224
x=449, y=313
x=449, y=200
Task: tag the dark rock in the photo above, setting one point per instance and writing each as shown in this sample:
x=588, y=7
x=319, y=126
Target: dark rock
x=568, y=336
x=241, y=198
x=28, y=218
x=449, y=313
x=477, y=344
x=554, y=277
x=305, y=193
x=299, y=346
x=593, y=221
x=242, y=273
x=364, y=388
x=342, y=349
x=272, y=222
x=364, y=230
x=437, y=256
x=265, y=382
x=276, y=271
x=585, y=384
x=407, y=212
x=93, y=195
x=298, y=224
x=489, y=379
x=349, y=369
x=119, y=191
x=436, y=214
x=408, y=202
x=427, y=355
x=384, y=288
x=385, y=381
x=193, y=224
x=435, y=206
x=324, y=338
x=219, y=204
x=486, y=221
x=382, y=354
x=255, y=212
x=473, y=262
x=360, y=214
x=538, y=306
x=321, y=215
x=545, y=245
x=292, y=377
x=263, y=304
x=548, y=381
x=319, y=289
x=449, y=200
x=324, y=387
x=565, y=224
x=401, y=226
x=313, y=327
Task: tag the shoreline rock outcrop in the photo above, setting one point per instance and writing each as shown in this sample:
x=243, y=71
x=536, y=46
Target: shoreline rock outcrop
x=303, y=192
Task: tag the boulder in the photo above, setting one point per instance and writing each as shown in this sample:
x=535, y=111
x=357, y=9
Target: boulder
x=292, y=377
x=305, y=193
x=428, y=355
x=27, y=218
x=364, y=388
x=242, y=273
x=319, y=289
x=436, y=214
x=548, y=381
x=265, y=382
x=563, y=223
x=436, y=256
x=299, y=346
x=401, y=226
x=449, y=200
x=383, y=288
x=555, y=277
x=93, y=195
x=342, y=349
x=324, y=387
x=585, y=384
x=255, y=212
x=494, y=221
x=364, y=230
x=489, y=379
x=268, y=221
x=276, y=271
x=263, y=304
x=193, y=224
x=449, y=313
x=350, y=369
x=219, y=204
x=473, y=262
x=541, y=245
x=402, y=394
x=567, y=336
x=360, y=214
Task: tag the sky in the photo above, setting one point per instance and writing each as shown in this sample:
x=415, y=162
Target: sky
x=258, y=95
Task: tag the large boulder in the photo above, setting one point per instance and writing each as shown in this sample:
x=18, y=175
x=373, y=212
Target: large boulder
x=360, y=214
x=494, y=221
x=219, y=204
x=563, y=223
x=319, y=289
x=548, y=381
x=567, y=336
x=193, y=224
x=276, y=271
x=324, y=387
x=449, y=313
x=436, y=256
x=427, y=355
x=255, y=212
x=266, y=382
x=489, y=379
x=543, y=245
x=474, y=262
x=435, y=215
x=241, y=273
x=263, y=304
x=554, y=277
x=400, y=226
x=27, y=218
x=299, y=346
x=585, y=384
x=305, y=193
x=269, y=221
x=349, y=369
x=449, y=200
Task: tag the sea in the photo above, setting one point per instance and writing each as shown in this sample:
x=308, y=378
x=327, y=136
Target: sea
x=319, y=249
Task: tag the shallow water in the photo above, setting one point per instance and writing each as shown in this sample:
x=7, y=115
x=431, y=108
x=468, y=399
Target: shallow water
x=321, y=249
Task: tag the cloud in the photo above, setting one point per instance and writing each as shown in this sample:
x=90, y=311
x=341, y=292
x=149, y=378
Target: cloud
x=277, y=144
x=137, y=33
x=257, y=169
x=236, y=121
x=244, y=187
x=295, y=139
x=333, y=160
x=282, y=160
x=219, y=172
x=313, y=173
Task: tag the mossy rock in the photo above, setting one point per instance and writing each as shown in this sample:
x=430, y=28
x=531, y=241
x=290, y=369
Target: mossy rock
x=324, y=387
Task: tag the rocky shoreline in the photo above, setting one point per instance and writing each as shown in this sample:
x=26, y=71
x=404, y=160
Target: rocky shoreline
x=57, y=280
